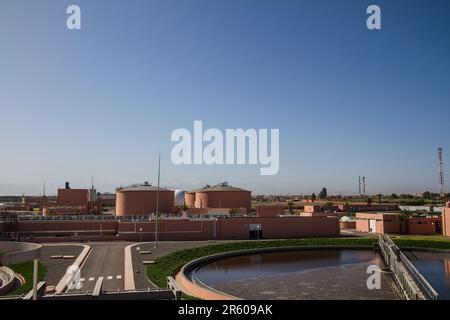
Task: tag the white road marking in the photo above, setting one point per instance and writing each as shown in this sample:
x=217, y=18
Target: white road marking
x=110, y=277
x=91, y=279
x=82, y=279
x=119, y=277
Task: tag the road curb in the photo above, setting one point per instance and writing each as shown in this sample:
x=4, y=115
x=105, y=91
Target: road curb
x=68, y=278
x=128, y=271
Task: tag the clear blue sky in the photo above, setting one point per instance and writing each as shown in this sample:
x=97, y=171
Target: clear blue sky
x=101, y=101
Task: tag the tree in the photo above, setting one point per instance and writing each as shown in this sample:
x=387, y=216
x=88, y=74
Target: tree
x=394, y=196
x=291, y=207
x=313, y=196
x=426, y=195
x=369, y=201
x=233, y=211
x=323, y=194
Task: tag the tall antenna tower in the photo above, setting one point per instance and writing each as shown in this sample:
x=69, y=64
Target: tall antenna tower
x=359, y=185
x=441, y=173
x=364, y=186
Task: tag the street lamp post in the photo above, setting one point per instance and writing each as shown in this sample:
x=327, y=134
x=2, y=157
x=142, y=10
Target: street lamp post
x=140, y=234
x=157, y=201
x=215, y=229
x=35, y=277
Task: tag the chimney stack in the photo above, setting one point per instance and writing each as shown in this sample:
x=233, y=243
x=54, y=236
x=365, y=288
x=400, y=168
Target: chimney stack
x=67, y=185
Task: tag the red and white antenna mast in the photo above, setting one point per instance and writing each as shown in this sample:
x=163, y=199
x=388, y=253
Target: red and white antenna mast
x=441, y=173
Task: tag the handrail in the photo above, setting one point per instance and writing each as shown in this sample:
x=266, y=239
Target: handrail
x=421, y=282
x=402, y=267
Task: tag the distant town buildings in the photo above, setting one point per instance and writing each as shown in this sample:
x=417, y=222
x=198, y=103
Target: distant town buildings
x=397, y=223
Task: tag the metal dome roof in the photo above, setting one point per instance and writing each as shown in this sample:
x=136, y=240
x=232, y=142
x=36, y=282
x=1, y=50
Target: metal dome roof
x=223, y=186
x=141, y=187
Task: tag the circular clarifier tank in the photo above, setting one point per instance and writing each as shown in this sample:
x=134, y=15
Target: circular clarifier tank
x=294, y=275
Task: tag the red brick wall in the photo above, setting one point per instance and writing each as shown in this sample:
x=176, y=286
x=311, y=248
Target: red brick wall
x=49, y=226
x=232, y=228
x=269, y=211
x=313, y=209
x=395, y=227
x=446, y=222
x=348, y=225
x=423, y=226
x=177, y=229
x=362, y=221
x=73, y=197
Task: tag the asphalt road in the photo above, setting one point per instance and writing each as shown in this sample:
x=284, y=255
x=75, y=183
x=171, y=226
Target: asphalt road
x=106, y=260
x=164, y=247
x=56, y=268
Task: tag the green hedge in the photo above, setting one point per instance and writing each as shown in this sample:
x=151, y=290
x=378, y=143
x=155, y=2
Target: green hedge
x=170, y=264
x=422, y=242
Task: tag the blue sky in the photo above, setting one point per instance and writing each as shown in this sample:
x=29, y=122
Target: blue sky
x=103, y=100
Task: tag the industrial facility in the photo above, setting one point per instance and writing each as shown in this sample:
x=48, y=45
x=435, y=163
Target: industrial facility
x=221, y=195
x=141, y=200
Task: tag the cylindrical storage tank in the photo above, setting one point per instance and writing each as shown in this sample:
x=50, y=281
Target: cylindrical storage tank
x=189, y=199
x=179, y=197
x=223, y=196
x=138, y=200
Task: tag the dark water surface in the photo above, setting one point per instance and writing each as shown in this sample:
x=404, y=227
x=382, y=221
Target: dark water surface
x=309, y=274
x=435, y=267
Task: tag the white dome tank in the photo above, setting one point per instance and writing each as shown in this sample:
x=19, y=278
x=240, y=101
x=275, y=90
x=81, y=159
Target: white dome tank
x=179, y=197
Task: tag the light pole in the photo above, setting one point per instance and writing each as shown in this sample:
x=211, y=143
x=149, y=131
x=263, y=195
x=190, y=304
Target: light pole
x=157, y=202
x=215, y=229
x=35, y=277
x=140, y=234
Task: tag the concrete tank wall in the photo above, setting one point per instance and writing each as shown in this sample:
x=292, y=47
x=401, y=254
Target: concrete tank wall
x=130, y=203
x=224, y=199
x=189, y=199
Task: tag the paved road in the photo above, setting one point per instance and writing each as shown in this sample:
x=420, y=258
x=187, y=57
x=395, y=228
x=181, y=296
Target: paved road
x=165, y=247
x=106, y=260
x=56, y=268
x=354, y=233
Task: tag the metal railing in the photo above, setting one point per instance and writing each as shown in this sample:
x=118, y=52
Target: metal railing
x=409, y=279
x=132, y=218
